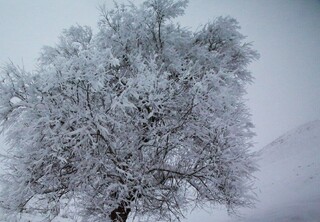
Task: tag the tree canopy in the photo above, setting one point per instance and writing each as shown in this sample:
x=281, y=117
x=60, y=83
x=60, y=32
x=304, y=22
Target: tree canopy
x=144, y=118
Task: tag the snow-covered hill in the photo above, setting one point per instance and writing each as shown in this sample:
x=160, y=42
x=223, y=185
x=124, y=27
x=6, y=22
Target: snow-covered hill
x=288, y=185
x=289, y=178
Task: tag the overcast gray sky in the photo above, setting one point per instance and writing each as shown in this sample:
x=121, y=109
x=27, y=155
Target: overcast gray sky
x=286, y=33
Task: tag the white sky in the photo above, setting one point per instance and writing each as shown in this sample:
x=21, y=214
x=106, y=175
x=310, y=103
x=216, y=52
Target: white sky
x=286, y=33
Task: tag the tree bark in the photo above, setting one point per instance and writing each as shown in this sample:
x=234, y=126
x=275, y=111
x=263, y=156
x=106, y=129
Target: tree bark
x=120, y=214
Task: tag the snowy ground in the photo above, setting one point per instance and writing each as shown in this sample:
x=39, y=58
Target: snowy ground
x=288, y=181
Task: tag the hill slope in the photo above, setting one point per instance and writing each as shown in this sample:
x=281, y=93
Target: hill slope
x=288, y=185
x=289, y=177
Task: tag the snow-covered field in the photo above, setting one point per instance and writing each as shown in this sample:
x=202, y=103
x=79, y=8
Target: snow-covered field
x=288, y=185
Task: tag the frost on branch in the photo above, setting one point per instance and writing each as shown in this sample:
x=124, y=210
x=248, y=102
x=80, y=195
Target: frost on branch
x=144, y=118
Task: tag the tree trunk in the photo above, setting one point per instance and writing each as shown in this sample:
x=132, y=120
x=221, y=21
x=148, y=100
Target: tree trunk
x=120, y=214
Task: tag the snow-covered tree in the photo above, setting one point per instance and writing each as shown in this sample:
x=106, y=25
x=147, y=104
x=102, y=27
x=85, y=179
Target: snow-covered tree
x=144, y=118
